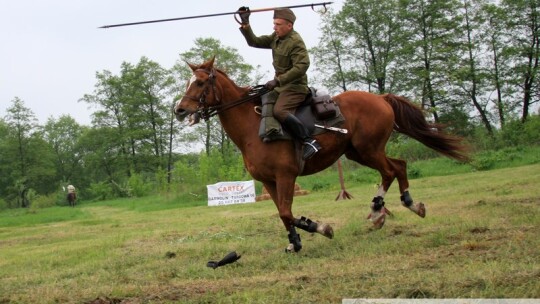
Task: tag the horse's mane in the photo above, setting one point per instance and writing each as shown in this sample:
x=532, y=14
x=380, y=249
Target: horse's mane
x=220, y=71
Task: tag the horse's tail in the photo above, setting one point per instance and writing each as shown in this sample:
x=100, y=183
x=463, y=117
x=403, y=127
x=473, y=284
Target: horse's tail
x=410, y=120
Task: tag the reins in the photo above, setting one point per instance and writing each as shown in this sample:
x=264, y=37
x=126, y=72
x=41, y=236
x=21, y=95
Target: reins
x=206, y=111
x=253, y=93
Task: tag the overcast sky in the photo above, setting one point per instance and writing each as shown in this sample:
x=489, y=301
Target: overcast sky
x=51, y=50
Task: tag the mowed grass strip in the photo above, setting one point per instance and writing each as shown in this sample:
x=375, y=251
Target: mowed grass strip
x=479, y=240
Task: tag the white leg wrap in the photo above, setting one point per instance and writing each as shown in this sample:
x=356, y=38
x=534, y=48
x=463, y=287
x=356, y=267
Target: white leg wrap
x=381, y=192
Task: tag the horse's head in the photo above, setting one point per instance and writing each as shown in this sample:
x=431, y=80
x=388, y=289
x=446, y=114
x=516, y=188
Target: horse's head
x=200, y=94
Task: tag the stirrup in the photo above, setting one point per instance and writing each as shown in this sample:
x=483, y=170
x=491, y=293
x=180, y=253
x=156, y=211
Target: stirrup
x=310, y=148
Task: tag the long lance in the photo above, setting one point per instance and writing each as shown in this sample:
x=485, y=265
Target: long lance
x=258, y=10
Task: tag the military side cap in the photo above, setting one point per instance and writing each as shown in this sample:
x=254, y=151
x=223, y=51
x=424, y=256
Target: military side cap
x=284, y=13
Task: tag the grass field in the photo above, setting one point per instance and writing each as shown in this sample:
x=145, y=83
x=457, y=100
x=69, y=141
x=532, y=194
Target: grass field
x=480, y=239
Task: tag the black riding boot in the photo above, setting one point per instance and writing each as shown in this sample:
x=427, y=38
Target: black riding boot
x=298, y=130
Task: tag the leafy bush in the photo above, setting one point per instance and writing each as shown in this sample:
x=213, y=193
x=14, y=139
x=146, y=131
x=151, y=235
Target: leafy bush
x=512, y=134
x=531, y=130
x=409, y=149
x=487, y=160
x=414, y=172
x=364, y=175
x=137, y=186
x=44, y=201
x=483, y=162
x=3, y=204
x=161, y=180
x=320, y=186
x=101, y=191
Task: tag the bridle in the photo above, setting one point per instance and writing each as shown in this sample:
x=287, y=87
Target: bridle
x=206, y=111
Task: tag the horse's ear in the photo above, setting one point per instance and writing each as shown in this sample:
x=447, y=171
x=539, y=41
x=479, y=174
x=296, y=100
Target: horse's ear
x=191, y=66
x=211, y=61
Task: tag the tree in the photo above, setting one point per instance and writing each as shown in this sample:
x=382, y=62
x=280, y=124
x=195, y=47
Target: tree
x=332, y=60
x=149, y=87
x=28, y=157
x=63, y=135
x=523, y=24
x=469, y=76
x=23, y=123
x=494, y=30
x=110, y=99
x=431, y=34
x=374, y=28
x=134, y=119
x=5, y=163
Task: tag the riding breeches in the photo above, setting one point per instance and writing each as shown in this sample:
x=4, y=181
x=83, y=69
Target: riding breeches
x=286, y=103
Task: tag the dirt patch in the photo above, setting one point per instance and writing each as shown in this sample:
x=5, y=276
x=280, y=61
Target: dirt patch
x=105, y=300
x=479, y=230
x=505, y=201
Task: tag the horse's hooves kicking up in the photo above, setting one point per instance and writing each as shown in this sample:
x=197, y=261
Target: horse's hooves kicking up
x=325, y=230
x=378, y=217
x=418, y=208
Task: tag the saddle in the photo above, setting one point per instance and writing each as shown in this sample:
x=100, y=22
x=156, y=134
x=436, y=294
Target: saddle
x=318, y=112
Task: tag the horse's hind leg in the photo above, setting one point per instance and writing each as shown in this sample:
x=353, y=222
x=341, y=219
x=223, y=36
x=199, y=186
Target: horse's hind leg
x=400, y=167
x=381, y=163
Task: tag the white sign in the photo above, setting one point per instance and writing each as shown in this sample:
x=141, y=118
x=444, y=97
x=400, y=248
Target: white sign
x=227, y=193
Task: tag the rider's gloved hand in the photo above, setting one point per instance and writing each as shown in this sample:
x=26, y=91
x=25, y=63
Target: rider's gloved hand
x=272, y=84
x=244, y=13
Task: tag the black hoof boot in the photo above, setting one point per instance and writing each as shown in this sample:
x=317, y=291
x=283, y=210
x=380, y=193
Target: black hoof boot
x=295, y=244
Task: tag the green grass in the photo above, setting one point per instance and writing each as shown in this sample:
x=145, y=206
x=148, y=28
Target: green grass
x=32, y=217
x=479, y=240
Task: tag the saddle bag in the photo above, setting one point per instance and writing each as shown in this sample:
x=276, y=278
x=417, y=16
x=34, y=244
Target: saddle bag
x=323, y=107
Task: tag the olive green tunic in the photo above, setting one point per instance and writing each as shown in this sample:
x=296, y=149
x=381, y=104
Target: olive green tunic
x=290, y=58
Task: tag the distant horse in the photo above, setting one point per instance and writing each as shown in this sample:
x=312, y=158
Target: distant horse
x=369, y=120
x=71, y=198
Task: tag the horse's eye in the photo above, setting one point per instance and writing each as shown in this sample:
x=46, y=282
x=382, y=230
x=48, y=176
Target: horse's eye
x=199, y=83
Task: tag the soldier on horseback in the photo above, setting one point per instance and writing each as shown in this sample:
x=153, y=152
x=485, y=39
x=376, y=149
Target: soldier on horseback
x=71, y=196
x=289, y=87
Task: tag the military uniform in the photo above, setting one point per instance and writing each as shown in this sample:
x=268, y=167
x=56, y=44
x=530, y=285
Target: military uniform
x=290, y=58
x=291, y=62
x=290, y=85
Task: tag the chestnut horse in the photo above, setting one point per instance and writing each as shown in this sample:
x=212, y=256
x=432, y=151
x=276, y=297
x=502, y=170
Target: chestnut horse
x=369, y=120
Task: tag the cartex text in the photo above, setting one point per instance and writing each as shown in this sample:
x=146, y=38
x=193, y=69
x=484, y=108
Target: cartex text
x=231, y=188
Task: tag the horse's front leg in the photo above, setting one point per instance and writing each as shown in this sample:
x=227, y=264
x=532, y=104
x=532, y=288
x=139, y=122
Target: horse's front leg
x=283, y=198
x=308, y=225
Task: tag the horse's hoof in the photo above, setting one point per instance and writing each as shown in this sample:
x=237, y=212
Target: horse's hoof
x=418, y=208
x=290, y=249
x=421, y=210
x=326, y=230
x=377, y=218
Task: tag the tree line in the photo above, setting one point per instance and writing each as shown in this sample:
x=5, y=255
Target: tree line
x=467, y=62
x=471, y=64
